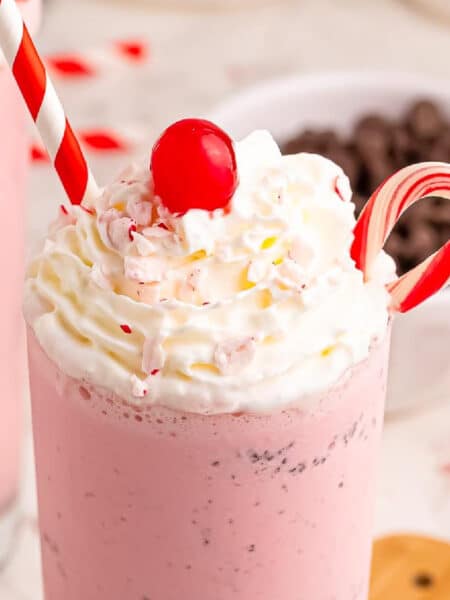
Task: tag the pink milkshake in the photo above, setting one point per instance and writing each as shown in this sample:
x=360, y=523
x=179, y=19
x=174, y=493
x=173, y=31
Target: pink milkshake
x=14, y=143
x=208, y=387
x=157, y=503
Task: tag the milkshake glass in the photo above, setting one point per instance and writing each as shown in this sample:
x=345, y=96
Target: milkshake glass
x=14, y=143
x=193, y=447
x=164, y=504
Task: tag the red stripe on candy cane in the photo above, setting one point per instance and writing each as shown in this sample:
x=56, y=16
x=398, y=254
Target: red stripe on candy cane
x=379, y=217
x=422, y=282
x=402, y=200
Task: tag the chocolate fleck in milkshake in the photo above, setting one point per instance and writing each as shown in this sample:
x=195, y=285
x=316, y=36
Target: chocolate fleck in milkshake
x=208, y=371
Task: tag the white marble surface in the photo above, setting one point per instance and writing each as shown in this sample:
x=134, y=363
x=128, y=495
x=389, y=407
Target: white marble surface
x=197, y=58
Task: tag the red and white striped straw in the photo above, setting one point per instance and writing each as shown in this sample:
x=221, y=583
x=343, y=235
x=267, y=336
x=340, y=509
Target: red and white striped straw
x=379, y=217
x=45, y=106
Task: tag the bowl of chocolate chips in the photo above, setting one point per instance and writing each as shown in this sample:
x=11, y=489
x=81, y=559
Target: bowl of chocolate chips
x=372, y=124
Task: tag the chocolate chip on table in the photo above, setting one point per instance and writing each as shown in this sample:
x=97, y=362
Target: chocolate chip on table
x=395, y=245
x=423, y=237
x=307, y=141
x=440, y=148
x=359, y=201
x=425, y=120
x=405, y=148
x=421, y=212
x=438, y=152
x=440, y=213
x=372, y=136
x=328, y=139
x=378, y=169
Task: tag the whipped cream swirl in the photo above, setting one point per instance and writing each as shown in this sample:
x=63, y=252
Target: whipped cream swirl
x=253, y=308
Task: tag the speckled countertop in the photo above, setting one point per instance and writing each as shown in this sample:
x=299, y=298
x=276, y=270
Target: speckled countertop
x=243, y=46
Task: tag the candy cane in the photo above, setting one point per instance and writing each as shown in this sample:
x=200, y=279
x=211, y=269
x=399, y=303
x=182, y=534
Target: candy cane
x=380, y=215
x=44, y=106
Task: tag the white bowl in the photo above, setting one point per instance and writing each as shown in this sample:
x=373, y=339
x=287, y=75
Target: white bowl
x=420, y=371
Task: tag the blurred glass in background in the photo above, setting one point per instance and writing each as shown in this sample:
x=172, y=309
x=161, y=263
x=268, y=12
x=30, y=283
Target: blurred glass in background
x=439, y=9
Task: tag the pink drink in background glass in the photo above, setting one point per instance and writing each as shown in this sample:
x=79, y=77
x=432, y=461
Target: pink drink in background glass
x=14, y=143
x=159, y=504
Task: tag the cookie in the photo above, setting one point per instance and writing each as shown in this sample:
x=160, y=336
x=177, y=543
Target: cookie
x=408, y=567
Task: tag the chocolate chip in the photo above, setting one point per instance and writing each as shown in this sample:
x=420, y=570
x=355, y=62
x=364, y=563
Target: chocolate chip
x=405, y=148
x=421, y=212
x=308, y=141
x=425, y=120
x=328, y=139
x=439, y=150
x=423, y=242
x=359, y=202
x=395, y=245
x=372, y=136
x=423, y=580
x=378, y=169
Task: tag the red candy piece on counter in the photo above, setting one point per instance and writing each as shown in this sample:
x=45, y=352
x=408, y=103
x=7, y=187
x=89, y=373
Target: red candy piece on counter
x=194, y=166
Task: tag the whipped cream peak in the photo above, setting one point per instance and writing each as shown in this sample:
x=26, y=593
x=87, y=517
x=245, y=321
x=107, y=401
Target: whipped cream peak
x=253, y=307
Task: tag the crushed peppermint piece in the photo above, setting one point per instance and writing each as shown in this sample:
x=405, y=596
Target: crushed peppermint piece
x=63, y=209
x=126, y=328
x=336, y=188
x=120, y=232
x=89, y=211
x=290, y=273
x=156, y=231
x=149, y=294
x=144, y=269
x=104, y=221
x=153, y=355
x=191, y=285
x=233, y=355
x=139, y=211
x=139, y=388
x=131, y=231
x=341, y=187
x=143, y=246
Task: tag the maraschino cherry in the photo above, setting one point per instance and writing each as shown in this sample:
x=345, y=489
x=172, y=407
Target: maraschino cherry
x=194, y=166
